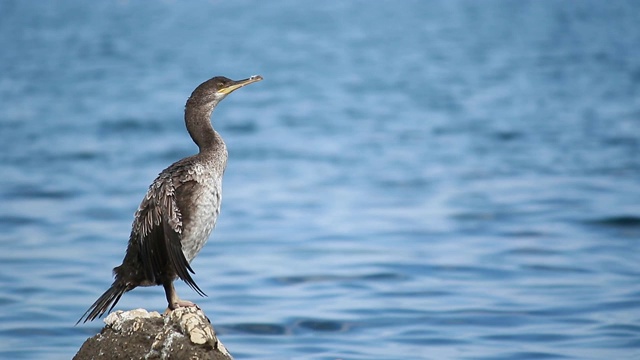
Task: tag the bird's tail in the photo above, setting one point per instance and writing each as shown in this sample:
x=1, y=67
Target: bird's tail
x=106, y=302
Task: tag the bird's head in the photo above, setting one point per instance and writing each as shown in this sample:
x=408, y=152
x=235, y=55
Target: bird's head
x=215, y=89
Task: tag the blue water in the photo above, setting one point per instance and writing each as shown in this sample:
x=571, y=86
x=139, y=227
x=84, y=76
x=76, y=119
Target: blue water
x=412, y=180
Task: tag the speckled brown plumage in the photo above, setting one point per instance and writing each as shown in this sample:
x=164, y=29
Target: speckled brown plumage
x=179, y=211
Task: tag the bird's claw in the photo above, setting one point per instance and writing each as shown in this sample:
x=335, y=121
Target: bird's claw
x=179, y=304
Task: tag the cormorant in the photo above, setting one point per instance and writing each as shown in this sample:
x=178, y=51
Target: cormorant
x=180, y=209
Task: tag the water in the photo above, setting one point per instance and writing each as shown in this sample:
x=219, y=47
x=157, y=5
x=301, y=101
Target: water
x=412, y=180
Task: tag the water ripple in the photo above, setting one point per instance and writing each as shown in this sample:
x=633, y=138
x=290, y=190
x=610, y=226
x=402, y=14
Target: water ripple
x=410, y=181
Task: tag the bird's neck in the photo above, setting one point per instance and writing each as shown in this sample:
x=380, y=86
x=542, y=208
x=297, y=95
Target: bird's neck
x=198, y=121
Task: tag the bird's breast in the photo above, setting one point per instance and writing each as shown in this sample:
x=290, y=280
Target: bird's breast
x=205, y=208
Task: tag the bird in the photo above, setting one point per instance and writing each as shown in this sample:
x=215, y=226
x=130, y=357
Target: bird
x=179, y=211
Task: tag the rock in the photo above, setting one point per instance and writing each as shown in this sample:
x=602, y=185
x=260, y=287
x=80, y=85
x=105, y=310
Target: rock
x=185, y=333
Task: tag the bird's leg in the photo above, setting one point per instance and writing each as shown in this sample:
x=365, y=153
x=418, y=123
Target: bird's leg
x=172, y=298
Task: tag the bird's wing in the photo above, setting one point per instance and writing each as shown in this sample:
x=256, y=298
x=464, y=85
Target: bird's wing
x=159, y=228
x=148, y=233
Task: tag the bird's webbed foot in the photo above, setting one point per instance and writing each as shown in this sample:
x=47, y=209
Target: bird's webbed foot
x=174, y=301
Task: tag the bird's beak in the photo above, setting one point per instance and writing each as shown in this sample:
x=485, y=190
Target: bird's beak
x=238, y=84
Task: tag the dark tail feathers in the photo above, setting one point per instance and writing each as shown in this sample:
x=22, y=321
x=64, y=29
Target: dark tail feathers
x=105, y=303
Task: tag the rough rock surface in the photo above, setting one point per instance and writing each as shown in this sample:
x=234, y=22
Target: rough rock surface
x=185, y=333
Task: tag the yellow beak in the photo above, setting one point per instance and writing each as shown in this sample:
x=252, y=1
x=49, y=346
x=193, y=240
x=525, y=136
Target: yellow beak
x=238, y=84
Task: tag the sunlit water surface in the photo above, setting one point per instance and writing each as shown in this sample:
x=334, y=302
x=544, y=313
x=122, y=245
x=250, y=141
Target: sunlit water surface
x=412, y=180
